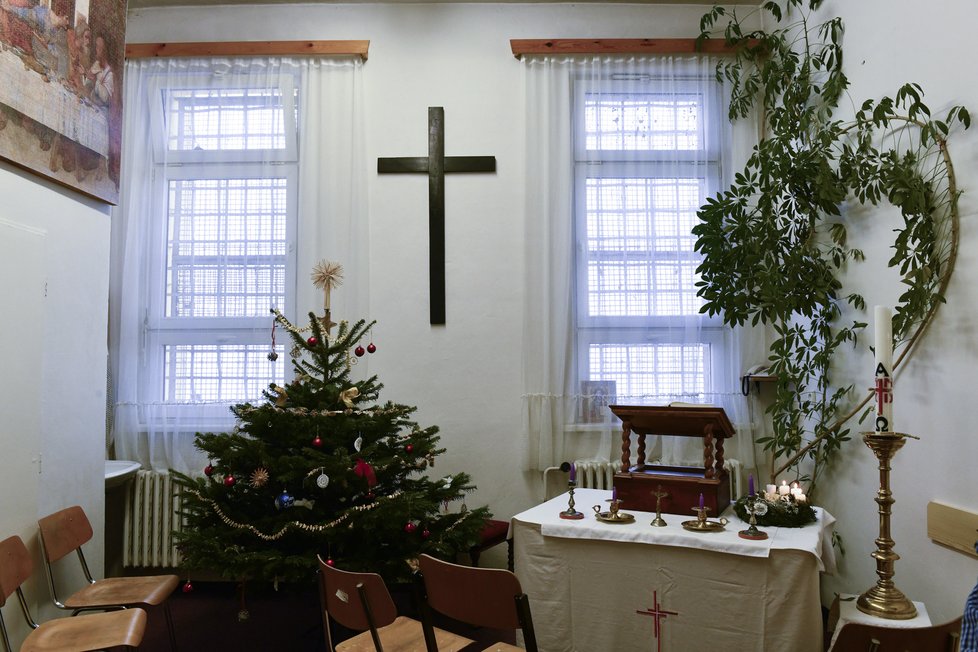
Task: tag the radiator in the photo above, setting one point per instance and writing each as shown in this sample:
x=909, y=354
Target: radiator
x=150, y=519
x=595, y=474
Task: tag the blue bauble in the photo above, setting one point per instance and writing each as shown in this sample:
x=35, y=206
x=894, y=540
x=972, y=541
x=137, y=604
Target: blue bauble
x=284, y=500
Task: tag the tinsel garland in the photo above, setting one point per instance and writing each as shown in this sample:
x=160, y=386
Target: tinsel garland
x=305, y=526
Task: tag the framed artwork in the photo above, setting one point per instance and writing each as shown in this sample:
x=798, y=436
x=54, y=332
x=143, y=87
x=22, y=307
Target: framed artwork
x=61, y=90
x=596, y=396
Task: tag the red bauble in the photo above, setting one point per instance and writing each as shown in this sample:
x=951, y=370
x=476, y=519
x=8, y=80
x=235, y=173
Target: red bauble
x=371, y=348
x=317, y=442
x=229, y=481
x=359, y=351
x=209, y=470
x=425, y=533
x=188, y=587
x=410, y=527
x=409, y=448
x=330, y=562
x=312, y=341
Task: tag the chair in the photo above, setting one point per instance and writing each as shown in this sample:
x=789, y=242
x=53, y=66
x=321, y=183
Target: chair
x=860, y=637
x=492, y=534
x=485, y=597
x=361, y=602
x=95, y=632
x=67, y=530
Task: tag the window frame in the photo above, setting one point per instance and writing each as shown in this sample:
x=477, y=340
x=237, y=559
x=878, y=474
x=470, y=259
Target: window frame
x=705, y=163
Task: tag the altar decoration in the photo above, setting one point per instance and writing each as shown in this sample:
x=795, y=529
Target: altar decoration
x=783, y=511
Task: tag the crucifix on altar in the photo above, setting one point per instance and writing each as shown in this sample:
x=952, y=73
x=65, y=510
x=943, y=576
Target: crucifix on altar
x=436, y=165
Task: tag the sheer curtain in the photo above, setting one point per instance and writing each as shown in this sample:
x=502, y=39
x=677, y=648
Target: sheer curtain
x=199, y=257
x=621, y=152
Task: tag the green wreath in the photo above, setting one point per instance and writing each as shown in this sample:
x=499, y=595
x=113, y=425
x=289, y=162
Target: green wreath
x=779, y=513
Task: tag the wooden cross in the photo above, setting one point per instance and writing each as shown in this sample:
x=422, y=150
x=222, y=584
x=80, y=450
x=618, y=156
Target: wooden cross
x=436, y=165
x=658, y=614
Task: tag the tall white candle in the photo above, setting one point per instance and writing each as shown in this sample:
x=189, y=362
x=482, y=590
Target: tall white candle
x=883, y=375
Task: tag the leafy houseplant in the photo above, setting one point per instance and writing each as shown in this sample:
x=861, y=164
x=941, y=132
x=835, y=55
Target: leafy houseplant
x=774, y=242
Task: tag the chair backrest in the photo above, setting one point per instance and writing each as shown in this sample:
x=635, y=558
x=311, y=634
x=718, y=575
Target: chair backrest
x=16, y=566
x=860, y=637
x=343, y=594
x=64, y=532
x=486, y=597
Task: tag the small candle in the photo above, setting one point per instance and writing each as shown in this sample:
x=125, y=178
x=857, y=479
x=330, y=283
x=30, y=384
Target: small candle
x=750, y=484
x=770, y=490
x=801, y=498
x=796, y=491
x=573, y=472
x=701, y=501
x=784, y=490
x=614, y=493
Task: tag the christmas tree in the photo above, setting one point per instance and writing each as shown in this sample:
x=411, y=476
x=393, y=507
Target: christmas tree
x=322, y=467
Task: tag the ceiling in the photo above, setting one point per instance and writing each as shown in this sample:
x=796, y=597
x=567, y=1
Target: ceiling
x=141, y=4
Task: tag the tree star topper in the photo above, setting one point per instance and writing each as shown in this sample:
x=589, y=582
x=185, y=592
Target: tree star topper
x=326, y=276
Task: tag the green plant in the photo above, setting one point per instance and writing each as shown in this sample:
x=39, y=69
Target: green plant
x=775, y=243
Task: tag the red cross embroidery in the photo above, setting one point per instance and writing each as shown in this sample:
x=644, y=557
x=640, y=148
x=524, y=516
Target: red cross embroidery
x=658, y=614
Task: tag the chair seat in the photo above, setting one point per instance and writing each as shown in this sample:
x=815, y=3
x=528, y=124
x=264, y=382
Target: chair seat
x=494, y=532
x=403, y=635
x=114, y=591
x=91, y=632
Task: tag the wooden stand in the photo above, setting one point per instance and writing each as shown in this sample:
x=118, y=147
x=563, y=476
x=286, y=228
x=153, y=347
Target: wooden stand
x=635, y=485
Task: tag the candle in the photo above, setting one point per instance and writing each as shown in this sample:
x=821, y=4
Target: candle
x=770, y=491
x=784, y=489
x=801, y=498
x=701, y=501
x=883, y=376
x=614, y=493
x=796, y=491
x=573, y=472
x=750, y=484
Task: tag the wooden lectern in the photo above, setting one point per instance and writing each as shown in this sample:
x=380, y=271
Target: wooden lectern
x=684, y=484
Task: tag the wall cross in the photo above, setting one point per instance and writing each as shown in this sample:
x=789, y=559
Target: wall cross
x=436, y=165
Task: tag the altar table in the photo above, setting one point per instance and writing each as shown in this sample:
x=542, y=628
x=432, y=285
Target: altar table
x=597, y=587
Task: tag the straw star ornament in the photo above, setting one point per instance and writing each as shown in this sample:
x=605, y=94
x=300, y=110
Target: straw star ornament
x=326, y=276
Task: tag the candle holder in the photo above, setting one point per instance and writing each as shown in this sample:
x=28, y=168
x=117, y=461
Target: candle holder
x=570, y=513
x=884, y=600
x=703, y=525
x=614, y=513
x=755, y=507
x=659, y=495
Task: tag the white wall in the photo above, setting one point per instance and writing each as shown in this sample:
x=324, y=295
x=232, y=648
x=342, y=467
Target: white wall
x=466, y=376
x=53, y=350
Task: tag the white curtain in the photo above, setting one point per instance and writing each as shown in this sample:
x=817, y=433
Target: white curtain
x=331, y=224
x=560, y=421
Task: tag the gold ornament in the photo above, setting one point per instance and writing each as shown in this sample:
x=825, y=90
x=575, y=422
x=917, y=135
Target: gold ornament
x=259, y=477
x=347, y=396
x=282, y=397
x=326, y=276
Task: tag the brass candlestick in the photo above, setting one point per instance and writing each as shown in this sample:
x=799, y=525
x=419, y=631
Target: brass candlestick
x=885, y=600
x=571, y=513
x=754, y=506
x=659, y=495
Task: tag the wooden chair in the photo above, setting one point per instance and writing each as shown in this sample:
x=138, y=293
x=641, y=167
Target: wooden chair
x=859, y=637
x=361, y=602
x=484, y=597
x=66, y=531
x=95, y=632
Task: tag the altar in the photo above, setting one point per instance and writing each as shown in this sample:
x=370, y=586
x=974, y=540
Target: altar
x=597, y=586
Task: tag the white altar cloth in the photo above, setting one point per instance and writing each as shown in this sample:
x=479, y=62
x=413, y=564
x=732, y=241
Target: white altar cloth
x=592, y=584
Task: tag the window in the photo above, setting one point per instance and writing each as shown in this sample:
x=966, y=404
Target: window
x=647, y=154
x=225, y=185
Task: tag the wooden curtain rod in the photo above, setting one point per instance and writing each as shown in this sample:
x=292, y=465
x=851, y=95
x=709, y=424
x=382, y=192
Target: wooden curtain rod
x=617, y=46
x=246, y=48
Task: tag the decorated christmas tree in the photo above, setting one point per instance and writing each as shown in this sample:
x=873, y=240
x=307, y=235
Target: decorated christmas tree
x=322, y=467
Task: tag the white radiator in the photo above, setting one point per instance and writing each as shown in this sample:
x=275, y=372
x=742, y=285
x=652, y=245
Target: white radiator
x=736, y=472
x=150, y=519
x=594, y=474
